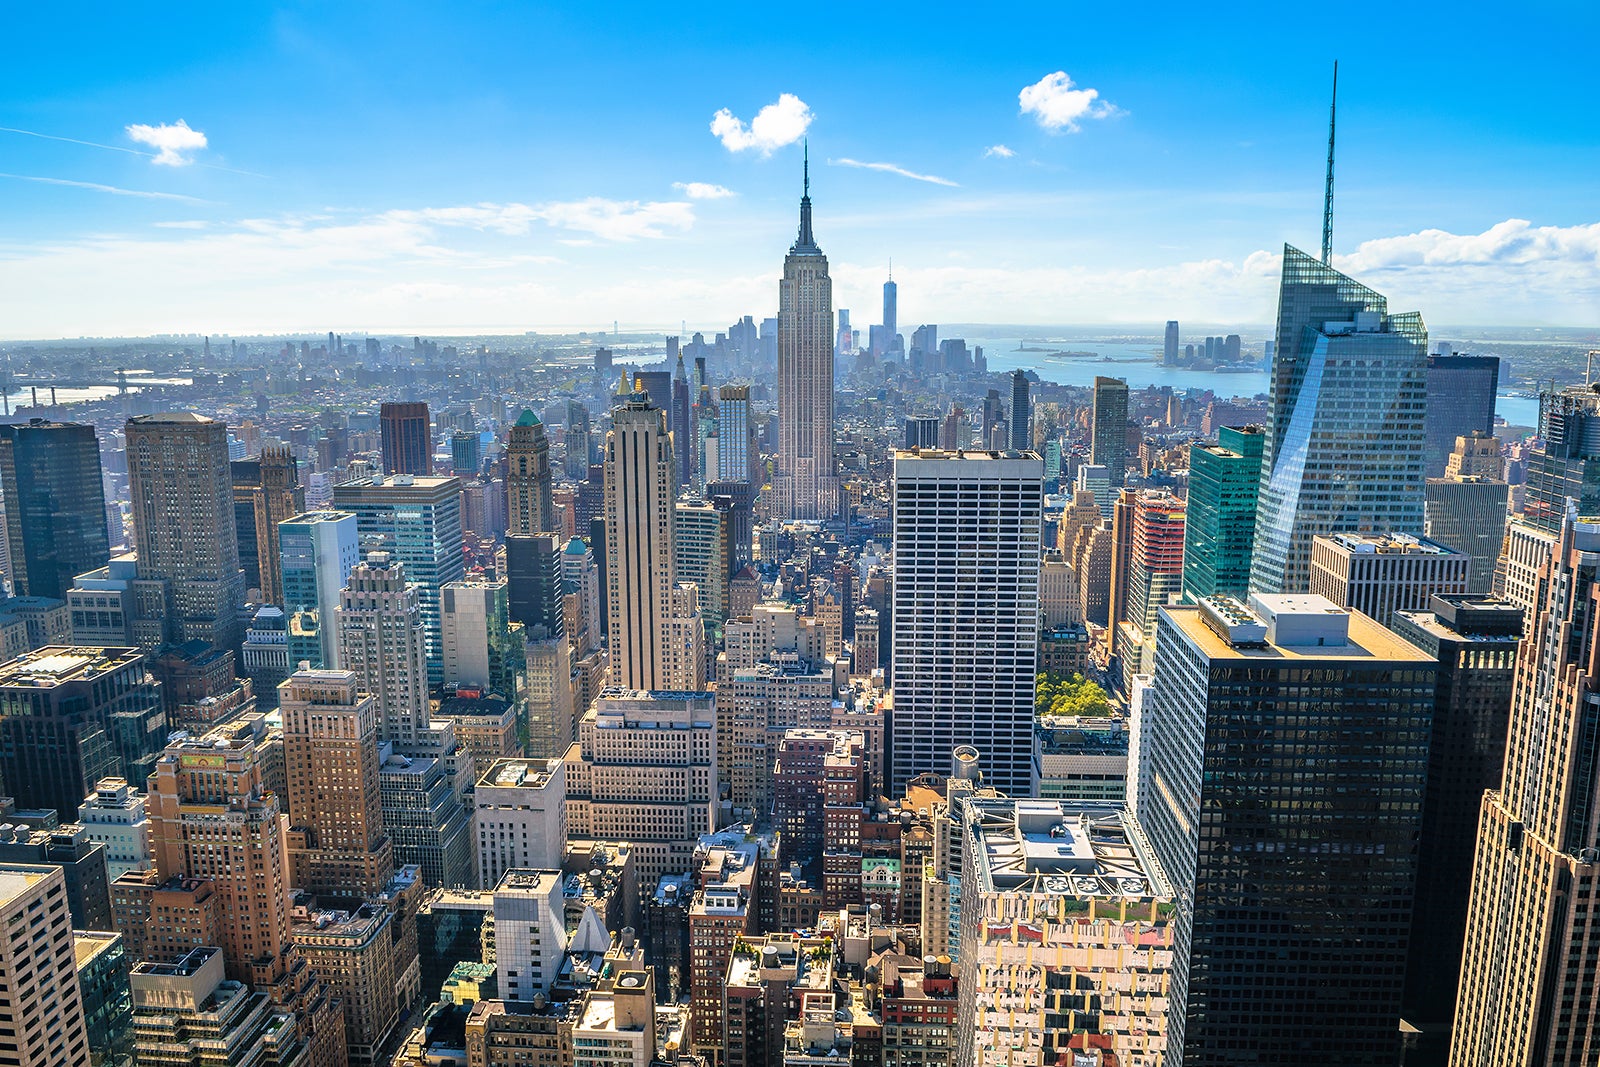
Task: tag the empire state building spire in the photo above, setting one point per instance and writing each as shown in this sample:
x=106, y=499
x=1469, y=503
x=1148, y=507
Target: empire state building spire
x=805, y=244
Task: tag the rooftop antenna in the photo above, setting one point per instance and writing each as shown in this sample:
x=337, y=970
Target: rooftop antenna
x=891, y=268
x=1327, y=196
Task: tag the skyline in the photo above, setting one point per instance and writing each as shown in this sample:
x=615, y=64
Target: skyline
x=479, y=171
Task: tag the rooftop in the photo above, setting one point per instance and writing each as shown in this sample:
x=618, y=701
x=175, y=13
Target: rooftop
x=1388, y=544
x=1062, y=847
x=518, y=773
x=55, y=665
x=1288, y=633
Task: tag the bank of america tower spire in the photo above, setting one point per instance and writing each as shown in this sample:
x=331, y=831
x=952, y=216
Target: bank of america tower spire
x=804, y=479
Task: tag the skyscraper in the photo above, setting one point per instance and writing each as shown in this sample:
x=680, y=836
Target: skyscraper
x=891, y=315
x=182, y=492
x=533, y=583
x=317, y=551
x=1345, y=448
x=55, y=505
x=966, y=612
x=1283, y=759
x=1021, y=414
x=40, y=971
x=733, y=434
x=466, y=453
x=407, y=438
x=641, y=486
x=684, y=438
x=1527, y=972
x=1108, y=430
x=1169, y=350
x=804, y=480
x=1568, y=466
x=336, y=842
x=1223, y=482
x=530, y=507
x=576, y=460
x=418, y=522
x=278, y=495
x=1461, y=395
x=382, y=640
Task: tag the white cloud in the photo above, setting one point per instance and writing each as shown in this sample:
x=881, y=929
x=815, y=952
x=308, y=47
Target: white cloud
x=182, y=224
x=890, y=168
x=115, y=190
x=1056, y=105
x=998, y=150
x=780, y=123
x=611, y=220
x=703, y=190
x=175, y=143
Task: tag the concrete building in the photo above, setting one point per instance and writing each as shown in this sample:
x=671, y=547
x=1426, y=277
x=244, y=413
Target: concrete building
x=356, y=947
x=187, y=1011
x=530, y=507
x=114, y=816
x=337, y=844
x=644, y=770
x=723, y=912
x=183, y=526
x=521, y=818
x=1468, y=513
x=425, y=819
x=481, y=644
x=1310, y=685
x=382, y=640
x=966, y=611
x=39, y=970
x=1380, y=574
x=1082, y=759
x=1068, y=936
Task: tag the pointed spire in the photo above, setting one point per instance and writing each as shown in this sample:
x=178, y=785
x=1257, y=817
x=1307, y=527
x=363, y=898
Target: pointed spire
x=805, y=243
x=1327, y=196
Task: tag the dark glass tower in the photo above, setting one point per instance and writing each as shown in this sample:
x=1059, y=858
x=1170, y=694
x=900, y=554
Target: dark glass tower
x=533, y=583
x=1223, y=480
x=1021, y=414
x=407, y=439
x=55, y=505
x=1461, y=392
x=1281, y=782
x=1108, y=433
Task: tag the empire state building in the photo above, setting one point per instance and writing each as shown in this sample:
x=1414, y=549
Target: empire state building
x=804, y=480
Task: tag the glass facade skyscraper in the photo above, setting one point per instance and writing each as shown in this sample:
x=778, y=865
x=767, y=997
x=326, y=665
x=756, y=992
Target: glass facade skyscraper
x=1461, y=392
x=1223, y=482
x=318, y=550
x=1108, y=432
x=54, y=503
x=1345, y=448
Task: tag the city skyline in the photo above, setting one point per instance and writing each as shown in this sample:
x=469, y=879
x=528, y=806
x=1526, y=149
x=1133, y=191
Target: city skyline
x=1030, y=183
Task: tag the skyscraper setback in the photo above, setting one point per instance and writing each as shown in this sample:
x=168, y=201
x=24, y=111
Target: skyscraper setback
x=804, y=481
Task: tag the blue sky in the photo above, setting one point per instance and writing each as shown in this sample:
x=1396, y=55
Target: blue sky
x=439, y=168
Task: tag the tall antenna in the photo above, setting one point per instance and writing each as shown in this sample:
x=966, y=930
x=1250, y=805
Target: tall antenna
x=1327, y=196
x=805, y=147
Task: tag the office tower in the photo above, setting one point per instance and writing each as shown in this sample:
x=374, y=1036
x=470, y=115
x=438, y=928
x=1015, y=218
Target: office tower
x=337, y=844
x=1568, y=466
x=521, y=817
x=418, y=522
x=102, y=963
x=482, y=649
x=575, y=461
x=1474, y=642
x=430, y=827
x=533, y=583
x=530, y=508
x=183, y=527
x=640, y=565
x=381, y=640
x=891, y=317
x=734, y=454
x=114, y=816
x=645, y=771
x=580, y=577
x=1476, y=455
x=1021, y=417
x=1380, y=574
x=55, y=505
x=530, y=935
x=1064, y=907
x=966, y=612
x=1169, y=351
x=1223, y=482
x=39, y=970
x=246, y=475
x=1108, y=429
x=1155, y=575
x=277, y=495
x=684, y=438
x=953, y=433
x=209, y=806
x=922, y=431
x=81, y=860
x=72, y=716
x=1349, y=391
x=264, y=656
x=1121, y=530
x=1526, y=952
x=804, y=479
x=188, y=1011
x=723, y=911
x=703, y=545
x=548, y=716
x=317, y=549
x=407, y=438
x=657, y=384
x=1244, y=702
x=1461, y=396
x=1468, y=513
x=466, y=453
